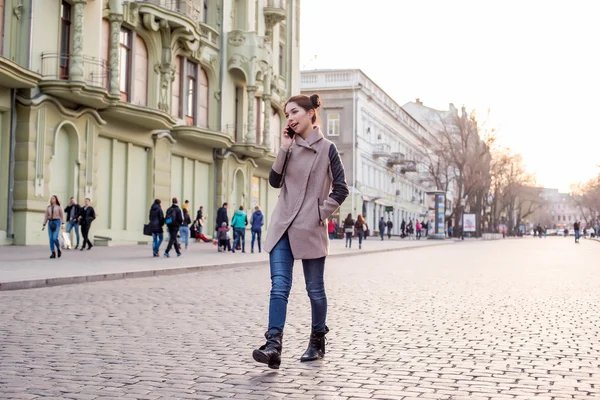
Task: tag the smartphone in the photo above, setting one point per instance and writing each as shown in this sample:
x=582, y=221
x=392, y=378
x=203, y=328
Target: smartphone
x=290, y=132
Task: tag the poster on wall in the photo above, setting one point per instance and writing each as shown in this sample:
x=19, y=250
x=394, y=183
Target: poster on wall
x=441, y=213
x=255, y=191
x=469, y=223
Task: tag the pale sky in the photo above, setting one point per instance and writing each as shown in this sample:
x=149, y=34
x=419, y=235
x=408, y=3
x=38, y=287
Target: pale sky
x=535, y=63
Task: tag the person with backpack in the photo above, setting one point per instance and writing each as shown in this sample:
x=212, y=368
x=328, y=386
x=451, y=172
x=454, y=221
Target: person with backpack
x=238, y=223
x=173, y=219
x=257, y=220
x=361, y=228
x=390, y=226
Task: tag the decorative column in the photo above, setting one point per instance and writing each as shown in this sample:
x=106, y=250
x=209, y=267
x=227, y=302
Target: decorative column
x=76, y=58
x=115, y=31
x=251, y=135
x=267, y=132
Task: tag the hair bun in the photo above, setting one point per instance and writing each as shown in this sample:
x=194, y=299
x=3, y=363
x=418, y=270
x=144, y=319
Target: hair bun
x=315, y=100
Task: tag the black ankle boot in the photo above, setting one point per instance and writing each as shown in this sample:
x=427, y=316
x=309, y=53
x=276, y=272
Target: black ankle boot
x=270, y=352
x=316, y=346
x=53, y=255
x=59, y=253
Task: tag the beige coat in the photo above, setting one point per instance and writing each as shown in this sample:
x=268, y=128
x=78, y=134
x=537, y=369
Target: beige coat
x=54, y=212
x=306, y=173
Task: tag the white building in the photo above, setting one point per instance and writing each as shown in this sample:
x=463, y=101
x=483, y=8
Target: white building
x=379, y=143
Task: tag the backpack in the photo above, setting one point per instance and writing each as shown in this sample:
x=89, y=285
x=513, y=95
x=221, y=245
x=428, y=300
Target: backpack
x=170, y=217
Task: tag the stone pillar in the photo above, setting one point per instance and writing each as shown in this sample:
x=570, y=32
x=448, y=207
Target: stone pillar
x=114, y=46
x=251, y=135
x=76, y=72
x=267, y=132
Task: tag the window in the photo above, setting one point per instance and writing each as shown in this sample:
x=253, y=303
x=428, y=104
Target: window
x=65, y=39
x=190, y=93
x=125, y=64
x=191, y=78
x=333, y=124
x=281, y=49
x=140, y=68
x=2, y=24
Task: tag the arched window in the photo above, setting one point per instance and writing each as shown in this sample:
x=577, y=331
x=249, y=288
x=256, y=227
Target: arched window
x=202, y=98
x=140, y=72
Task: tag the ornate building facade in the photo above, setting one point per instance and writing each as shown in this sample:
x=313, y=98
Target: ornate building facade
x=127, y=101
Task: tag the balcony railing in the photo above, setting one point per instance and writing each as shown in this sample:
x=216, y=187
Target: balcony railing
x=275, y=4
x=186, y=7
x=382, y=150
x=95, y=70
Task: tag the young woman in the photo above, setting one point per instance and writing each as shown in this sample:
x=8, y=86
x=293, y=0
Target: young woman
x=307, y=168
x=361, y=228
x=184, y=229
x=55, y=218
x=349, y=230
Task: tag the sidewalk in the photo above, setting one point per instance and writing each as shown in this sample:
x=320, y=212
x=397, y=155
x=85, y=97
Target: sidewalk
x=29, y=267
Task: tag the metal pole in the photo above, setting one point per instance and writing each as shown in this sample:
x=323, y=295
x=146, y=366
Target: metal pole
x=354, y=133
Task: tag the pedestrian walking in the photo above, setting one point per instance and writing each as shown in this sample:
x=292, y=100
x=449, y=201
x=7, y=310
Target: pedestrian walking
x=157, y=221
x=223, y=237
x=257, y=220
x=72, y=214
x=576, y=227
x=390, y=226
x=410, y=229
x=403, y=229
x=382, y=226
x=54, y=217
x=308, y=167
x=349, y=230
x=184, y=229
x=238, y=223
x=418, y=227
x=361, y=228
x=87, y=216
x=331, y=229
x=173, y=219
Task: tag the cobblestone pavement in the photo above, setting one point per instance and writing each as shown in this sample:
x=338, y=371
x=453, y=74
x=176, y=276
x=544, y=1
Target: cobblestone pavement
x=496, y=320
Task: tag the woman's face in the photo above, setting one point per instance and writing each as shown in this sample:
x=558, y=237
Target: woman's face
x=297, y=118
x=53, y=200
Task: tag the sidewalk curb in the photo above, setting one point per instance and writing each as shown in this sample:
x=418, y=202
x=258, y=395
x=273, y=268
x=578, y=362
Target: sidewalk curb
x=72, y=280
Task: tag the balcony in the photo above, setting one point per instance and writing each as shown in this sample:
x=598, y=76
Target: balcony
x=396, y=159
x=248, y=54
x=185, y=7
x=274, y=12
x=382, y=150
x=408, y=166
x=92, y=91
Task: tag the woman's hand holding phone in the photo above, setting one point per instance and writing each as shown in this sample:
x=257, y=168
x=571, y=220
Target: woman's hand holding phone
x=286, y=139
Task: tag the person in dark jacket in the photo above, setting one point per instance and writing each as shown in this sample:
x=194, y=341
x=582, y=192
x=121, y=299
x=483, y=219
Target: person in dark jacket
x=361, y=228
x=222, y=216
x=382, y=226
x=390, y=226
x=87, y=215
x=157, y=220
x=72, y=215
x=173, y=219
x=403, y=229
x=349, y=230
x=257, y=220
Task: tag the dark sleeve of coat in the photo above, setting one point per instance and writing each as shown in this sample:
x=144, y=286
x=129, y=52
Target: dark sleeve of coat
x=339, y=191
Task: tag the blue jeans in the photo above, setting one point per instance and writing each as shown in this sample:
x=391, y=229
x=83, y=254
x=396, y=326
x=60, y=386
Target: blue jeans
x=331, y=235
x=577, y=235
x=282, y=265
x=348, y=239
x=71, y=225
x=361, y=235
x=240, y=234
x=256, y=234
x=184, y=235
x=53, y=231
x=157, y=239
